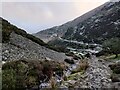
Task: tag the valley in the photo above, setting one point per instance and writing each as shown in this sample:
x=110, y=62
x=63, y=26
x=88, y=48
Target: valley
x=83, y=53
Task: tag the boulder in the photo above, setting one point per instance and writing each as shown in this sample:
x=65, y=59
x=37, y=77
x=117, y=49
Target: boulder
x=70, y=61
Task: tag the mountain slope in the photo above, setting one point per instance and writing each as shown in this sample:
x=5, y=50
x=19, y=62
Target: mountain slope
x=94, y=27
x=59, y=31
x=101, y=26
x=17, y=44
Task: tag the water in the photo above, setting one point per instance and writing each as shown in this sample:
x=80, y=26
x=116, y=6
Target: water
x=44, y=85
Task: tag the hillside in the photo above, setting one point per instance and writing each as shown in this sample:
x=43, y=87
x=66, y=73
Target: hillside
x=28, y=63
x=59, y=31
x=18, y=44
x=103, y=25
x=93, y=27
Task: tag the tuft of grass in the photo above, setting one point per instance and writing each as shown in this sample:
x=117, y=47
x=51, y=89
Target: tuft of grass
x=110, y=57
x=75, y=76
x=83, y=65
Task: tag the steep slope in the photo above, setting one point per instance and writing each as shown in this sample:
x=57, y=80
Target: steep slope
x=93, y=27
x=17, y=44
x=103, y=25
x=59, y=31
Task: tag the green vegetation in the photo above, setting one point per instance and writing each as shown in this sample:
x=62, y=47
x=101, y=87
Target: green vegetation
x=75, y=76
x=112, y=46
x=115, y=67
x=16, y=74
x=112, y=52
x=116, y=72
x=111, y=57
x=25, y=74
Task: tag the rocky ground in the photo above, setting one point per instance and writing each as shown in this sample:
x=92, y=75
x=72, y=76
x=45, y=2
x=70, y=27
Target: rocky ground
x=22, y=48
x=97, y=75
x=90, y=73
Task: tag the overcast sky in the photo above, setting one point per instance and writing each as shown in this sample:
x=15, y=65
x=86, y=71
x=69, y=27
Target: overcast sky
x=36, y=16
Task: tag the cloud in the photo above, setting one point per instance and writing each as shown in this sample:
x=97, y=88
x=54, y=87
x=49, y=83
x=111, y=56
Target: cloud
x=32, y=16
x=28, y=12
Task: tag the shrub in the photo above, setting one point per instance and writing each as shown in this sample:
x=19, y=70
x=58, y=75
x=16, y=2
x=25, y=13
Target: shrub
x=115, y=67
x=27, y=74
x=112, y=46
x=8, y=79
x=18, y=74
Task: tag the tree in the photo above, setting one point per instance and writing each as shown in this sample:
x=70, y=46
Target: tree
x=112, y=46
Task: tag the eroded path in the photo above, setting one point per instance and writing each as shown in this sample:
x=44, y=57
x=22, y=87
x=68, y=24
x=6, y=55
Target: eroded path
x=97, y=75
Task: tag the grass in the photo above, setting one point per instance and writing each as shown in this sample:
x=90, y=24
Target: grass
x=75, y=76
x=79, y=71
x=110, y=57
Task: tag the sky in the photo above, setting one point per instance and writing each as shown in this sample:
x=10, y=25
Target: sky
x=36, y=15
